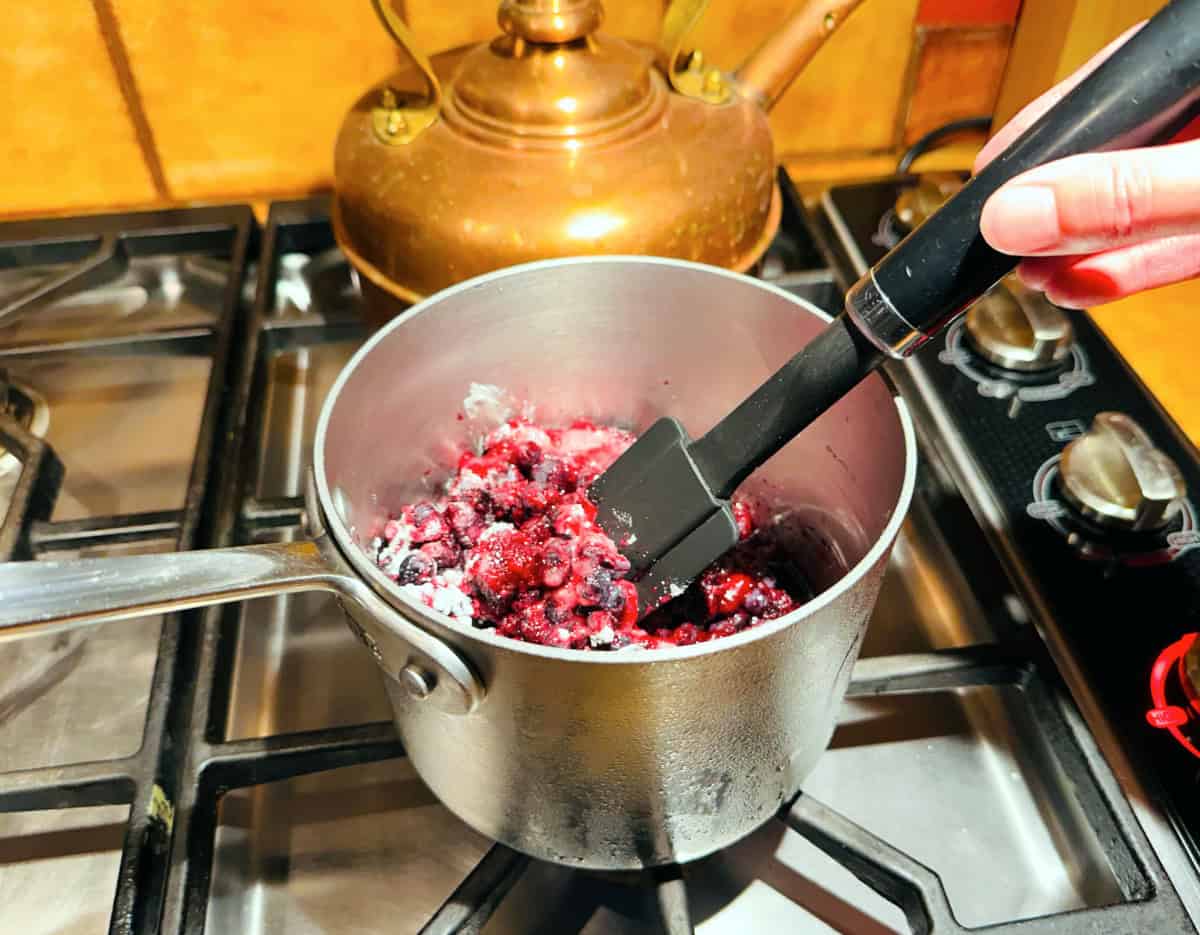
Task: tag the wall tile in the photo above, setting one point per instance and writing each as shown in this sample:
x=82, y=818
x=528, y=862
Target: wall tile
x=247, y=97
x=957, y=74
x=848, y=97
x=66, y=141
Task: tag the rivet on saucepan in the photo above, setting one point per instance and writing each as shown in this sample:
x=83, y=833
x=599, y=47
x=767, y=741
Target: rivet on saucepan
x=417, y=682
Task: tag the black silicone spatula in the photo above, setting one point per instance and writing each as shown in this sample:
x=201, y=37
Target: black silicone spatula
x=665, y=502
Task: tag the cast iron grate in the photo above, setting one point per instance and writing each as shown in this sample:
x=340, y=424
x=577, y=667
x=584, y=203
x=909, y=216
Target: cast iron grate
x=147, y=780
x=178, y=779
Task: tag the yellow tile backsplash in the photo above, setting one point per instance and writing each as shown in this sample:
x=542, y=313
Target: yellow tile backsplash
x=242, y=100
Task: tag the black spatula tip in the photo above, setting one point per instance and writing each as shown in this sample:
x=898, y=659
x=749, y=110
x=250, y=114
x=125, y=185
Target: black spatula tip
x=652, y=496
x=675, y=570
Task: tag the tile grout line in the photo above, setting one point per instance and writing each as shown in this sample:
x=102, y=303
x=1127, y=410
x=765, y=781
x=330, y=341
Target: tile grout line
x=118, y=56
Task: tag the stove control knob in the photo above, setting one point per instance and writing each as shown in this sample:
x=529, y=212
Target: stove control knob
x=917, y=202
x=1018, y=329
x=1116, y=478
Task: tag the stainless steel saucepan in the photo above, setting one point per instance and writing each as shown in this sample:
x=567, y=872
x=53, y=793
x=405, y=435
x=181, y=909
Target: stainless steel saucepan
x=603, y=760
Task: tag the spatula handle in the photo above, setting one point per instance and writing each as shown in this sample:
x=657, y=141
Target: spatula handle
x=1144, y=93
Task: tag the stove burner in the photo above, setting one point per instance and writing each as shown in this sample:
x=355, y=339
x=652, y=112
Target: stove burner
x=323, y=283
x=30, y=474
x=29, y=409
x=917, y=202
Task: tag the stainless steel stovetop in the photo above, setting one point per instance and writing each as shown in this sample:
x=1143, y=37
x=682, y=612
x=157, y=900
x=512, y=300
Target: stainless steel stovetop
x=234, y=771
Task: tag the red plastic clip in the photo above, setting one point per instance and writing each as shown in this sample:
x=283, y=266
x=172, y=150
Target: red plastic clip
x=1164, y=715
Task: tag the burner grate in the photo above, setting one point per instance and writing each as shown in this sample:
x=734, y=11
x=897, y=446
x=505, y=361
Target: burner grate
x=146, y=781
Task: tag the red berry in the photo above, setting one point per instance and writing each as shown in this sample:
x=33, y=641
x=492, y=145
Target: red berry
x=427, y=523
x=685, y=634
x=725, y=592
x=629, y=614
x=744, y=519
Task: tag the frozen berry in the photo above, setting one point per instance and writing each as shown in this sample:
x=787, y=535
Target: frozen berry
x=740, y=620
x=755, y=602
x=461, y=516
x=629, y=613
x=685, y=634
x=595, y=587
x=725, y=592
x=743, y=518
x=561, y=603
x=570, y=519
x=427, y=523
x=556, y=562
x=414, y=569
x=444, y=554
x=534, y=626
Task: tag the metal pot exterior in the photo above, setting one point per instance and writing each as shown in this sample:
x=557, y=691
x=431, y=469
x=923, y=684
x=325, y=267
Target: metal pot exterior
x=631, y=759
x=629, y=766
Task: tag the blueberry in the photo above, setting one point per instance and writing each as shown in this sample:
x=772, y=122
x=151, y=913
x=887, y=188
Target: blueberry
x=596, y=584
x=442, y=554
x=613, y=599
x=415, y=567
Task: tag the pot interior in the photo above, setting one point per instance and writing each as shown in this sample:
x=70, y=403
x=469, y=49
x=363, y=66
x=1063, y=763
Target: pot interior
x=613, y=339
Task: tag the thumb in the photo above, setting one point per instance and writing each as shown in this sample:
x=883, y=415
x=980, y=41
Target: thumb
x=1097, y=201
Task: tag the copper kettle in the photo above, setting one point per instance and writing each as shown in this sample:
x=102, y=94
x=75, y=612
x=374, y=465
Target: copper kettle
x=554, y=139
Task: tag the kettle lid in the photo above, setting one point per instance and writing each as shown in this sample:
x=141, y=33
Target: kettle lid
x=550, y=79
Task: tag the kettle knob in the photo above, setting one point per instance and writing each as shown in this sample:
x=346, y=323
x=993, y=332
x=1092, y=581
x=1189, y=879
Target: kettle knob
x=550, y=21
x=1115, y=476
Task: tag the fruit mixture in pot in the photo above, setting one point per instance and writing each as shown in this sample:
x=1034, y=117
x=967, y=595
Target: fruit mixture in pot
x=511, y=544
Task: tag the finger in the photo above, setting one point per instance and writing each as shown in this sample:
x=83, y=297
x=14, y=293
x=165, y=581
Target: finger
x=1029, y=114
x=1096, y=201
x=1087, y=281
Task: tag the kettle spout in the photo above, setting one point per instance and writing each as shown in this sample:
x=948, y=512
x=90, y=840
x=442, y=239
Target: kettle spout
x=772, y=67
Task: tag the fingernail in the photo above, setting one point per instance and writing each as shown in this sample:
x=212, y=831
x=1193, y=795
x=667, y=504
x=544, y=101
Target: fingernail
x=1022, y=219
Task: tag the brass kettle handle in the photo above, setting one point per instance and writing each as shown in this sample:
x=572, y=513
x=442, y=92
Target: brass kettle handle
x=397, y=123
x=769, y=70
x=687, y=73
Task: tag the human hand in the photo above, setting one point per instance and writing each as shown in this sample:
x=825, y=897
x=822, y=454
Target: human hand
x=1100, y=226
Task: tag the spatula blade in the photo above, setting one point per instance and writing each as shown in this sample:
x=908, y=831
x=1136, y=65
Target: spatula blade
x=670, y=575
x=656, y=505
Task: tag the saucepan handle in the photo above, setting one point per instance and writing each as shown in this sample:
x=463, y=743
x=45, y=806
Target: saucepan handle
x=49, y=597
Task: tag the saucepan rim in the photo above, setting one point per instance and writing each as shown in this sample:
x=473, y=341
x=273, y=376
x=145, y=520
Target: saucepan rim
x=420, y=615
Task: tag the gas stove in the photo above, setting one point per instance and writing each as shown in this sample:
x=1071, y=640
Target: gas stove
x=235, y=769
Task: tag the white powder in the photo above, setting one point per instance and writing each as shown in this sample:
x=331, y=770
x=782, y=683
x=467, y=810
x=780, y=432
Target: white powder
x=602, y=637
x=392, y=556
x=442, y=597
x=494, y=529
x=488, y=403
